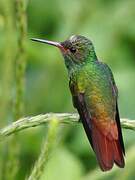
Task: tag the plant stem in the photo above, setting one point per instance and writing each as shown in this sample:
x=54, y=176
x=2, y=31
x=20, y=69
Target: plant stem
x=69, y=118
x=20, y=63
x=7, y=79
x=20, y=58
x=46, y=150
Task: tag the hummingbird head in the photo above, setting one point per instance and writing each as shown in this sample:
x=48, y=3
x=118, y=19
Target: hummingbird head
x=76, y=50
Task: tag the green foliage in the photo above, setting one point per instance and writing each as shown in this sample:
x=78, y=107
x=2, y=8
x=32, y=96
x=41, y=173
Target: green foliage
x=110, y=25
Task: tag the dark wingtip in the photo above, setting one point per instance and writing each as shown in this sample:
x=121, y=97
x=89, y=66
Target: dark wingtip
x=121, y=163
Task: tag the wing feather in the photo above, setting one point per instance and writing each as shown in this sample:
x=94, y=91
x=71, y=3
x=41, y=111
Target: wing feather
x=106, y=141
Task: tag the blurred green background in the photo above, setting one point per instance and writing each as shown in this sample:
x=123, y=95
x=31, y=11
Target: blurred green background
x=111, y=27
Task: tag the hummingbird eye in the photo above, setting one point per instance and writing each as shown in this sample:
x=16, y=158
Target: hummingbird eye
x=72, y=50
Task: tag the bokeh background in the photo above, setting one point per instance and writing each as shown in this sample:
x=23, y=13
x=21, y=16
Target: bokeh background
x=111, y=27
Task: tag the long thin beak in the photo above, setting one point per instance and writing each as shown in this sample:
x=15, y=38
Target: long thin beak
x=57, y=44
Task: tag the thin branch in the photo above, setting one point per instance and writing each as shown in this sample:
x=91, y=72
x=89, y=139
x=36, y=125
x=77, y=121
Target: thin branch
x=41, y=119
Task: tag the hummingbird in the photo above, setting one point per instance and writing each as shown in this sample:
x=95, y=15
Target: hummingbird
x=95, y=96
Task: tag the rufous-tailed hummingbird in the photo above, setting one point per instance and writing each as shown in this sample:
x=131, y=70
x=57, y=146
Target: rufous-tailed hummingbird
x=94, y=95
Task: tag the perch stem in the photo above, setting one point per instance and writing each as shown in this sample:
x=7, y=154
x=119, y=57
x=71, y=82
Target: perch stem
x=33, y=121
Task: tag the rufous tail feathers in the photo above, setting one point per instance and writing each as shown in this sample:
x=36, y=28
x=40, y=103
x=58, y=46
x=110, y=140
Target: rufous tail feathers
x=107, y=146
